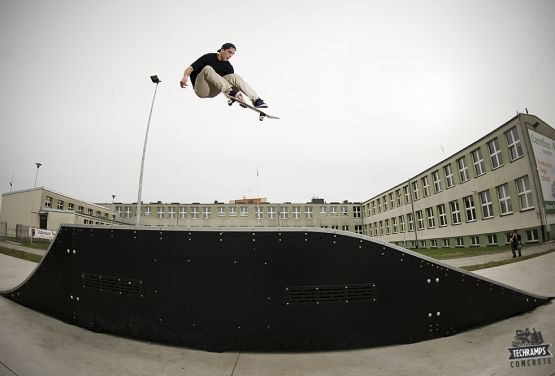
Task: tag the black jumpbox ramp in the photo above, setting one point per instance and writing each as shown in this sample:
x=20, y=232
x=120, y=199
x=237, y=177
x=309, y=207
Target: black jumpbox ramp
x=260, y=289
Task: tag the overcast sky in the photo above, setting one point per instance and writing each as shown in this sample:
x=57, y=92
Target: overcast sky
x=370, y=93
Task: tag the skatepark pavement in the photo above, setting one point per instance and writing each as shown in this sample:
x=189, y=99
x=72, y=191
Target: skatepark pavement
x=35, y=344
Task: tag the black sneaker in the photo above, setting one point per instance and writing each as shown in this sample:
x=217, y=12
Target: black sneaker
x=259, y=103
x=232, y=93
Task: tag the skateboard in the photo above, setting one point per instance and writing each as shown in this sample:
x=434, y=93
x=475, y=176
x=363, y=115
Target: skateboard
x=262, y=114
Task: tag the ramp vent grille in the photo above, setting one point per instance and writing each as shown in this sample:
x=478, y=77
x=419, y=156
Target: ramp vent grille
x=115, y=284
x=365, y=292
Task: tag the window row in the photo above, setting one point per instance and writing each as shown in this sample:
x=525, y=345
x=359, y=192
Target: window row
x=61, y=205
x=456, y=211
x=260, y=212
x=445, y=177
x=531, y=235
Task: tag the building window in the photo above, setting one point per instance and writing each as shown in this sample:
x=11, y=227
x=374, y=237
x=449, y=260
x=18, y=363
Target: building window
x=504, y=199
x=283, y=212
x=308, y=212
x=394, y=225
x=387, y=228
x=233, y=211
x=431, y=218
x=433, y=243
x=495, y=153
x=358, y=229
x=221, y=211
x=335, y=227
x=379, y=205
x=402, y=223
x=118, y=210
x=524, y=193
x=171, y=212
x=48, y=202
x=449, y=179
x=127, y=212
x=384, y=203
x=90, y=212
x=411, y=221
x=475, y=241
x=391, y=201
x=182, y=213
x=148, y=210
x=420, y=218
x=426, y=186
x=492, y=239
x=272, y=212
x=478, y=159
x=344, y=210
x=160, y=212
x=258, y=212
x=513, y=143
x=446, y=243
x=455, y=212
x=532, y=235
x=415, y=190
x=398, y=197
x=60, y=205
x=296, y=212
x=459, y=242
x=194, y=213
x=485, y=202
x=442, y=215
x=423, y=244
x=244, y=211
x=463, y=169
x=407, y=194
x=437, y=181
x=206, y=212
x=345, y=227
x=323, y=209
x=333, y=210
x=70, y=206
x=356, y=211
x=470, y=209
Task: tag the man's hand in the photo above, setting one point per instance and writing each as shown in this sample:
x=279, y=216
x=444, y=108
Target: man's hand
x=186, y=74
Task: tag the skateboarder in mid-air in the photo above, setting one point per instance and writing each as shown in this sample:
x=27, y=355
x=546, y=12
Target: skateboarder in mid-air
x=212, y=74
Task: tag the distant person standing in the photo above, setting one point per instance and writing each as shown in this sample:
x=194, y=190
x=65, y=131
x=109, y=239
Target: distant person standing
x=516, y=245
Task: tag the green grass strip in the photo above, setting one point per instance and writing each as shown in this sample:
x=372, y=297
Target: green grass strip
x=20, y=254
x=504, y=262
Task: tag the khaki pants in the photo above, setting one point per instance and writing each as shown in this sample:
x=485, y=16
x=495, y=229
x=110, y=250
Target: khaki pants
x=208, y=84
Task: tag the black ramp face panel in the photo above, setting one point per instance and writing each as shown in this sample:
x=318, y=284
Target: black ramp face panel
x=258, y=289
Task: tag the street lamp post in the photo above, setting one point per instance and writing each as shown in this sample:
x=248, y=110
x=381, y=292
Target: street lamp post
x=156, y=81
x=33, y=201
x=37, y=173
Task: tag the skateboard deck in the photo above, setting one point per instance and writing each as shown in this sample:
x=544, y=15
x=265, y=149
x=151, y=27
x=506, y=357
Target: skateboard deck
x=261, y=114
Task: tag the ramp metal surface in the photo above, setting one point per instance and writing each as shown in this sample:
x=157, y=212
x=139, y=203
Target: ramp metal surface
x=287, y=289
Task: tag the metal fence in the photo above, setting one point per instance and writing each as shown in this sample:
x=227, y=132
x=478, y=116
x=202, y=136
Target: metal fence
x=22, y=233
x=3, y=230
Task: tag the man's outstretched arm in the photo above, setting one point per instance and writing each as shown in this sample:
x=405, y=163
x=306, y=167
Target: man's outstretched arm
x=186, y=75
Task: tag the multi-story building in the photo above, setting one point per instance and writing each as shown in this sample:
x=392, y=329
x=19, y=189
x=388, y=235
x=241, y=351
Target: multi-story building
x=504, y=181
x=45, y=209
x=344, y=216
x=501, y=182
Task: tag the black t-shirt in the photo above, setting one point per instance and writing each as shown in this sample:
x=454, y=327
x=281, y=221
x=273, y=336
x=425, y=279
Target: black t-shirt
x=221, y=67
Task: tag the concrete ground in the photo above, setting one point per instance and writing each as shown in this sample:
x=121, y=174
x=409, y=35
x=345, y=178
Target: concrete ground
x=34, y=344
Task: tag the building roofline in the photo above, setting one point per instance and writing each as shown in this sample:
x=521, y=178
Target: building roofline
x=407, y=181
x=59, y=194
